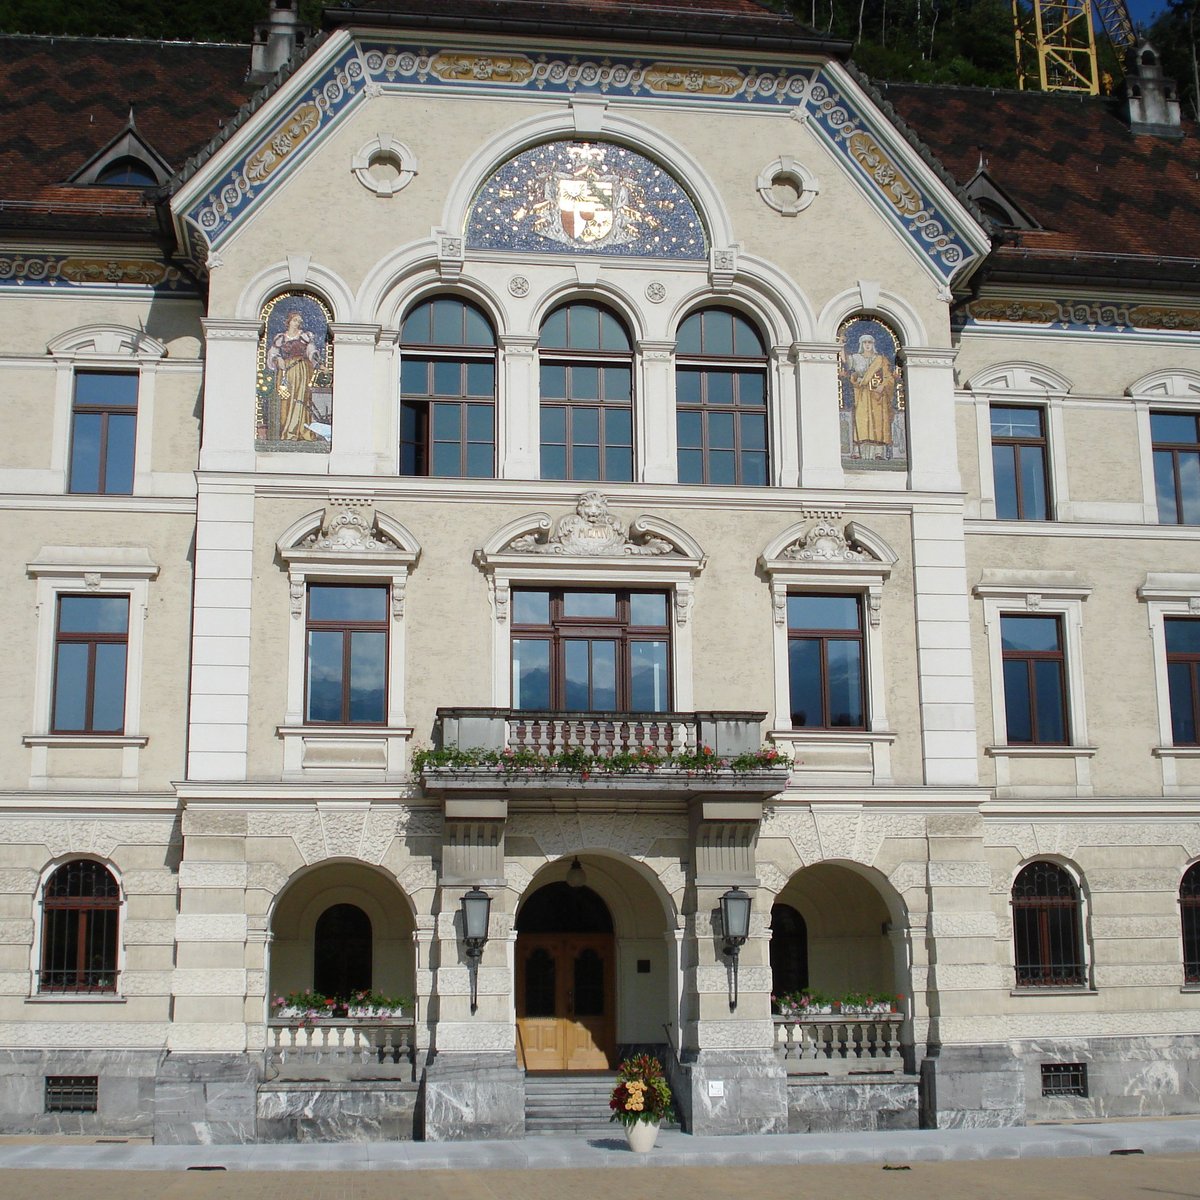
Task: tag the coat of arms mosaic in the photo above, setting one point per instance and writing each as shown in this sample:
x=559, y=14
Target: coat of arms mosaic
x=871, y=383
x=590, y=197
x=295, y=375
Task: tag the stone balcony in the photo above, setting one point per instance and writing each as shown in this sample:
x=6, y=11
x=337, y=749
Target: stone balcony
x=685, y=756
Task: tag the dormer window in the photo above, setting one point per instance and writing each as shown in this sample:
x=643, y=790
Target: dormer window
x=126, y=172
x=127, y=161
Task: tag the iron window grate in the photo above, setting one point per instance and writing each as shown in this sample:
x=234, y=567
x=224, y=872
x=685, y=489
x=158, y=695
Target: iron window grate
x=1064, y=1079
x=72, y=1093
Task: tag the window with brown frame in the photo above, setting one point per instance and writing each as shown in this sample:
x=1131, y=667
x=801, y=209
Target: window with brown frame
x=591, y=651
x=1019, y=463
x=447, y=391
x=91, y=646
x=1175, y=439
x=103, y=432
x=1182, y=635
x=346, y=654
x=1035, y=680
x=1046, y=928
x=826, y=671
x=586, y=371
x=721, y=399
x=80, y=910
x=1189, y=917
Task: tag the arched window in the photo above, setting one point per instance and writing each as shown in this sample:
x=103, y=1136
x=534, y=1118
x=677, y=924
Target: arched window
x=127, y=172
x=1189, y=917
x=80, y=910
x=1046, y=927
x=721, y=399
x=447, y=391
x=789, y=950
x=342, y=951
x=586, y=363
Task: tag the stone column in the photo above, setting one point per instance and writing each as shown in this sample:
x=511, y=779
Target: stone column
x=472, y=1085
x=518, y=401
x=971, y=1078
x=730, y=1080
x=206, y=1090
x=654, y=412
x=932, y=430
x=820, y=416
x=230, y=372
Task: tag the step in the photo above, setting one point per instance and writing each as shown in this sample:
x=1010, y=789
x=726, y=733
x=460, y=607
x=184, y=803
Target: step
x=567, y=1103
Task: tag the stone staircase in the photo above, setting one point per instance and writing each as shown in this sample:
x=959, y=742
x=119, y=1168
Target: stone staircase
x=569, y=1102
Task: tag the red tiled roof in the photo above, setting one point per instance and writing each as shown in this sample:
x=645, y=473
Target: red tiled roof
x=1071, y=162
x=64, y=99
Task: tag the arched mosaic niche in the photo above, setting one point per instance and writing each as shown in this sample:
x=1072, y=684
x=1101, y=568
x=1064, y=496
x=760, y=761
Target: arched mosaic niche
x=572, y=197
x=295, y=375
x=873, y=402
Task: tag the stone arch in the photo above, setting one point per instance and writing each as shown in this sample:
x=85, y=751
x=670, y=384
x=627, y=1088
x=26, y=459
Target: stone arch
x=887, y=306
x=295, y=272
x=583, y=121
x=311, y=891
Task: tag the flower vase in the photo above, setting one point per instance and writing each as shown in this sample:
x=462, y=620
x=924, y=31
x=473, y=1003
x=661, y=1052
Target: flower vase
x=641, y=1136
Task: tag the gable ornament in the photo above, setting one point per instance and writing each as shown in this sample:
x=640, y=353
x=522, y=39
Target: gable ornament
x=350, y=527
x=591, y=531
x=824, y=542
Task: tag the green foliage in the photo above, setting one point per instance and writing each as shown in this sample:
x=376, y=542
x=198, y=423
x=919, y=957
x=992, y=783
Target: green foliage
x=576, y=761
x=642, y=1092
x=1175, y=34
x=312, y=1004
x=809, y=1000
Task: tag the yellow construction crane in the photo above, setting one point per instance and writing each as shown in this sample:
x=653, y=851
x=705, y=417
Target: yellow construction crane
x=1056, y=42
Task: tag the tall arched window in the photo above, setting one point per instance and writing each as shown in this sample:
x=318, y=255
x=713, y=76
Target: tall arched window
x=1047, y=938
x=81, y=905
x=789, y=950
x=721, y=399
x=342, y=951
x=447, y=391
x=586, y=363
x=1189, y=917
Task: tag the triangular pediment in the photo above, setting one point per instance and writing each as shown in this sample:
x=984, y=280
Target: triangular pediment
x=129, y=149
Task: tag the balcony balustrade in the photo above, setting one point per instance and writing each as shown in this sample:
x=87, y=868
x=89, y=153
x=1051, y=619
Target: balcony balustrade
x=333, y=1048
x=840, y=1043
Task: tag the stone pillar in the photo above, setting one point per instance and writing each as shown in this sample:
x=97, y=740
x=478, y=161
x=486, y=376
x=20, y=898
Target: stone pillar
x=520, y=448
x=206, y=1090
x=932, y=436
x=730, y=1080
x=654, y=424
x=472, y=1086
x=352, y=448
x=820, y=416
x=970, y=1078
x=230, y=371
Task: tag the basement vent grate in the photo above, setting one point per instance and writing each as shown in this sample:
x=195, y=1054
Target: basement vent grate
x=1064, y=1079
x=72, y=1093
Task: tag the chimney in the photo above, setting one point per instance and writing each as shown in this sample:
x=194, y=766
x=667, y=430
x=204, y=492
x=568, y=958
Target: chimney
x=1153, y=103
x=276, y=40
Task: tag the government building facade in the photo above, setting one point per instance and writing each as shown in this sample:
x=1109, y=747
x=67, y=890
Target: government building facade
x=547, y=531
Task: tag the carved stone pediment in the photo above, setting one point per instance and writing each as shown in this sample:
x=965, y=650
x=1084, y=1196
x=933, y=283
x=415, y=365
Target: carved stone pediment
x=591, y=531
x=350, y=527
x=824, y=541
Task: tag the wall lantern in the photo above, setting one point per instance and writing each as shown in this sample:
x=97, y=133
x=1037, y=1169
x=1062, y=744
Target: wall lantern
x=576, y=875
x=735, y=927
x=476, y=909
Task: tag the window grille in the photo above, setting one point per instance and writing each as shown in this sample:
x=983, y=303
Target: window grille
x=1064, y=1079
x=1046, y=932
x=1189, y=915
x=72, y=1093
x=80, y=910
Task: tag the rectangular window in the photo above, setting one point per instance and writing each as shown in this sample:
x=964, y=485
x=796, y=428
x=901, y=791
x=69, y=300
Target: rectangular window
x=1183, y=678
x=1035, y=701
x=1176, y=444
x=591, y=651
x=825, y=661
x=346, y=651
x=1064, y=1079
x=103, y=432
x=447, y=417
x=1019, y=463
x=72, y=1093
x=587, y=421
x=91, y=645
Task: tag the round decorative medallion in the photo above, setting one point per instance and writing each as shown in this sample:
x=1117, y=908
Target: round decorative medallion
x=786, y=186
x=518, y=286
x=384, y=165
x=655, y=292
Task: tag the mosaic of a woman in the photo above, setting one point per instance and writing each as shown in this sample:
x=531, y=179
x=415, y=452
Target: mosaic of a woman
x=294, y=357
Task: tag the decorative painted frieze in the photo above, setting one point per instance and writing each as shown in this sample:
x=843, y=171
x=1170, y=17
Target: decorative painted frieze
x=1080, y=315
x=91, y=274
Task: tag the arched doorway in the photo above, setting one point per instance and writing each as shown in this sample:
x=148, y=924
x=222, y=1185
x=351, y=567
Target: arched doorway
x=566, y=995
x=342, y=951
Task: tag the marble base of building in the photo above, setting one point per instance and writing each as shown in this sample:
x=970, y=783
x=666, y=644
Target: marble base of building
x=201, y=1099
x=853, y=1105
x=352, y=1111
x=972, y=1087
x=472, y=1096
x=728, y=1092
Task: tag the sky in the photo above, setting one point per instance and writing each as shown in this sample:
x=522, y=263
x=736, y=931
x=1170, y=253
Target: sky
x=1143, y=12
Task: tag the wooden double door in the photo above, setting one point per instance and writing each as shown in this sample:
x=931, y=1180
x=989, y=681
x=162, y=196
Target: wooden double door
x=565, y=1001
